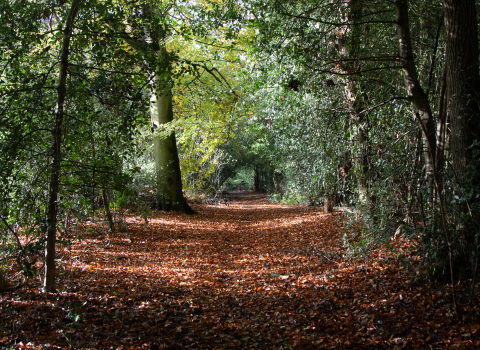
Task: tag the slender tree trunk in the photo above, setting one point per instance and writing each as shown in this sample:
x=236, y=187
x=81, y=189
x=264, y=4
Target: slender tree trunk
x=169, y=179
x=441, y=132
x=256, y=179
x=356, y=100
x=424, y=116
x=463, y=82
x=415, y=92
x=49, y=283
x=106, y=206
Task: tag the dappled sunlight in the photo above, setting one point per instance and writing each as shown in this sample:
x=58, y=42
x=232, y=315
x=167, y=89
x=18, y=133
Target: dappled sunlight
x=246, y=276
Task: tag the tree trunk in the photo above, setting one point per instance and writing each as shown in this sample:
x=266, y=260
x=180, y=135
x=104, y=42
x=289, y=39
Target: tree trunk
x=463, y=83
x=463, y=89
x=328, y=204
x=106, y=206
x=3, y=282
x=256, y=179
x=49, y=283
x=415, y=92
x=441, y=132
x=424, y=116
x=169, y=194
x=355, y=98
x=169, y=179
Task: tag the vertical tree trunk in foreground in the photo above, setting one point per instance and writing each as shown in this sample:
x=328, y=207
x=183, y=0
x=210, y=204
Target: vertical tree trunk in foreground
x=463, y=99
x=49, y=283
x=441, y=133
x=169, y=179
x=169, y=194
x=463, y=82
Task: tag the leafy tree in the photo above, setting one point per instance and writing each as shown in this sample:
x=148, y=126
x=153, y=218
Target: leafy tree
x=62, y=90
x=336, y=70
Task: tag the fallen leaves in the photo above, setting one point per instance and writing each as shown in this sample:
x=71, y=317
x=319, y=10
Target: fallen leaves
x=250, y=275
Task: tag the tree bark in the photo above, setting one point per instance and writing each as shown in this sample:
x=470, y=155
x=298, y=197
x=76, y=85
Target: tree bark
x=169, y=194
x=463, y=82
x=49, y=282
x=463, y=94
x=415, y=92
x=441, y=132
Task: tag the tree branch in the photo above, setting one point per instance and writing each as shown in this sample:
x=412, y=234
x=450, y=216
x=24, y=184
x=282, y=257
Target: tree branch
x=368, y=110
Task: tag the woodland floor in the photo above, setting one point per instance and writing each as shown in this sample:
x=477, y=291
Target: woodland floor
x=252, y=274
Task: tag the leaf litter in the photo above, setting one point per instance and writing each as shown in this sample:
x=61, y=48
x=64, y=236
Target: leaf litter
x=253, y=274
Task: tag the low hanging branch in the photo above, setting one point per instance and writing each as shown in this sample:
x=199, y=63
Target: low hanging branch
x=369, y=110
x=13, y=231
x=213, y=72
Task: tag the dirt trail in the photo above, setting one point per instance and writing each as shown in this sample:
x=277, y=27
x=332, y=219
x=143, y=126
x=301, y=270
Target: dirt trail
x=252, y=274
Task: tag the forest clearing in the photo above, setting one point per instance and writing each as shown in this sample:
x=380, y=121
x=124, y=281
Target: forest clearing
x=253, y=274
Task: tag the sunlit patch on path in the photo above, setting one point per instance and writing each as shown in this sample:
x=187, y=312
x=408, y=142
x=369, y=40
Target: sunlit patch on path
x=252, y=274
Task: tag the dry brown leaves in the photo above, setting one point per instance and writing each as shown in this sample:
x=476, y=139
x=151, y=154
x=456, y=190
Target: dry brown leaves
x=250, y=275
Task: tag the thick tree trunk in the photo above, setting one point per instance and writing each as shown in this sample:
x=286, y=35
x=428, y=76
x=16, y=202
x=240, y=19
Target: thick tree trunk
x=463, y=83
x=49, y=282
x=169, y=179
x=169, y=194
x=463, y=99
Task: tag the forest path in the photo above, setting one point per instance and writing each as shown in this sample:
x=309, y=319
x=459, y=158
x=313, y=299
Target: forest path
x=252, y=274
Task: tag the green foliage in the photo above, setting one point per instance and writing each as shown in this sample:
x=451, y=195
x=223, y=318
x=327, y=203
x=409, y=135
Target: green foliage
x=242, y=180
x=297, y=98
x=104, y=105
